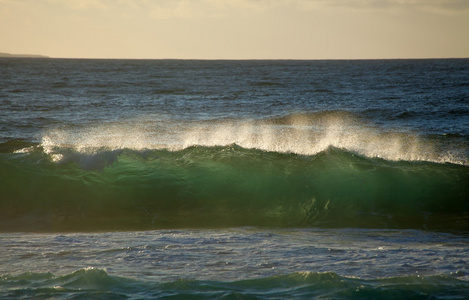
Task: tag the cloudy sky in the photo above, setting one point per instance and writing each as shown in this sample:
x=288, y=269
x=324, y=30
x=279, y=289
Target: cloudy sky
x=236, y=29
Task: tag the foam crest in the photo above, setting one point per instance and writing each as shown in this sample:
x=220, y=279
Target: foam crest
x=111, y=136
x=305, y=134
x=309, y=136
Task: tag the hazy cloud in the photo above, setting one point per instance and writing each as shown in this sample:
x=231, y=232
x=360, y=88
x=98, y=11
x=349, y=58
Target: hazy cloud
x=81, y=4
x=236, y=28
x=199, y=8
x=429, y=5
x=217, y=8
x=164, y=9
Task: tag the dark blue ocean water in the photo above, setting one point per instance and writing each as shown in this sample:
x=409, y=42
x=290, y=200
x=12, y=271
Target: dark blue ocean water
x=234, y=179
x=428, y=96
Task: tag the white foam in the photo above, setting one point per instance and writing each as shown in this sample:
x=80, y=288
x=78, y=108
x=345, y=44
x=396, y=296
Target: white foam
x=294, y=135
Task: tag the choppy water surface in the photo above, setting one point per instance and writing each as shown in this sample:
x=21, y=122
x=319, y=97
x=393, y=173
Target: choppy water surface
x=239, y=261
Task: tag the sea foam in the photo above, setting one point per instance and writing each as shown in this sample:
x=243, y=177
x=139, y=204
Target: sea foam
x=304, y=134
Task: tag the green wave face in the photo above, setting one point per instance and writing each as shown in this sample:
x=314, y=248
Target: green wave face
x=226, y=186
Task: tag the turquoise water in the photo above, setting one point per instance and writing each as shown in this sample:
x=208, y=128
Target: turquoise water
x=227, y=186
x=136, y=179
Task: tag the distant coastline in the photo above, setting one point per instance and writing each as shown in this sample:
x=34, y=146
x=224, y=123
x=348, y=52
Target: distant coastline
x=22, y=55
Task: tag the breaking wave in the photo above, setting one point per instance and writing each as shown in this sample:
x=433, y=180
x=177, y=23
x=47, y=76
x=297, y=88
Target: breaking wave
x=302, y=133
x=219, y=186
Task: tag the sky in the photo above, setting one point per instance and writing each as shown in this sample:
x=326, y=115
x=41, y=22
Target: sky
x=236, y=29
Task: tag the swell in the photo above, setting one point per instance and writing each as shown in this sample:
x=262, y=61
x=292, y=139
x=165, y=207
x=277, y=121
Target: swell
x=92, y=283
x=221, y=186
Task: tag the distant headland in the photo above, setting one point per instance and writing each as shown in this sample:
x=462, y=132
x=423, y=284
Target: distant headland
x=22, y=55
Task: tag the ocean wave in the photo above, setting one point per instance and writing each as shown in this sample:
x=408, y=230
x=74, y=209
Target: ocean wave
x=299, y=133
x=223, y=186
x=92, y=283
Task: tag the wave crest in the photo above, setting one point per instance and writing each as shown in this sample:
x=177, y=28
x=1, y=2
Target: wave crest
x=228, y=186
x=305, y=134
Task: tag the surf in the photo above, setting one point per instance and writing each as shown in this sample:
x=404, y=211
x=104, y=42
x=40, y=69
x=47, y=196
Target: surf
x=306, y=133
x=225, y=186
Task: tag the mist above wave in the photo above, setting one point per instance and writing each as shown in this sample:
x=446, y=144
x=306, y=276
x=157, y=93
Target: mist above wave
x=304, y=134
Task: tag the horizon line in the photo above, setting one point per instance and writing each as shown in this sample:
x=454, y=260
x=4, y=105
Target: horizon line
x=40, y=56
